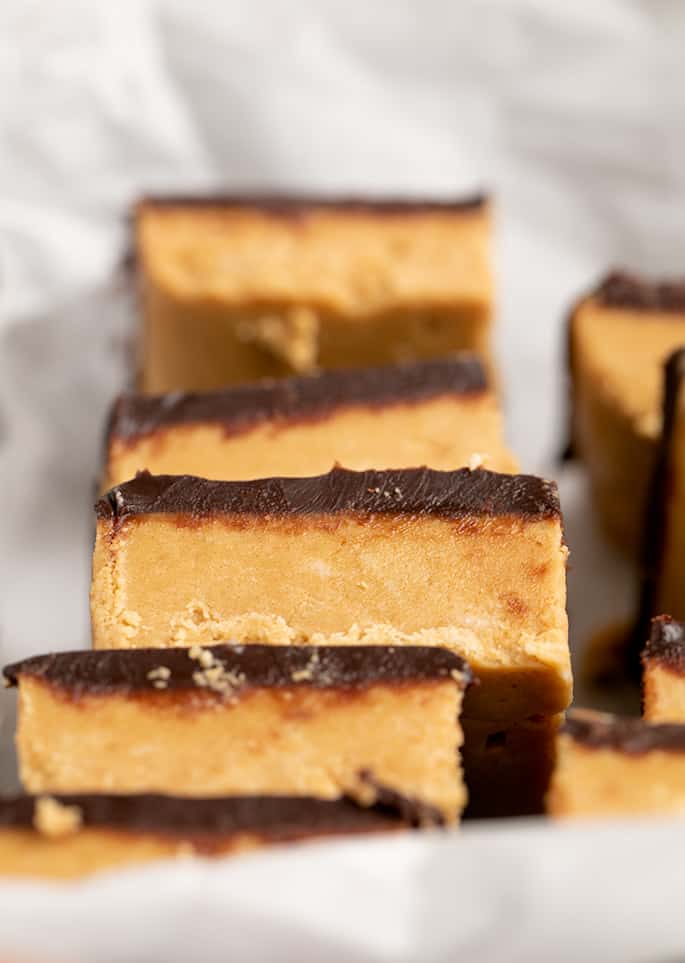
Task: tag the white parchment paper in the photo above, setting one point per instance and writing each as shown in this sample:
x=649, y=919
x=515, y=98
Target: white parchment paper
x=572, y=114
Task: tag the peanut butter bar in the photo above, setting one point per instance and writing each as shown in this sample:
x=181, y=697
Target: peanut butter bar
x=440, y=413
x=370, y=722
x=612, y=766
x=621, y=334
x=471, y=560
x=238, y=288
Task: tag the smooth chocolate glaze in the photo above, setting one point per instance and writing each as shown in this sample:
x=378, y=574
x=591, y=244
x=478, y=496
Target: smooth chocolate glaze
x=286, y=400
x=630, y=735
x=666, y=643
x=273, y=666
x=273, y=817
x=623, y=290
x=293, y=205
x=409, y=491
x=655, y=525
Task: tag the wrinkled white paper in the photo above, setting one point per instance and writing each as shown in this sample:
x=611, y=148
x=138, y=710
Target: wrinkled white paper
x=572, y=114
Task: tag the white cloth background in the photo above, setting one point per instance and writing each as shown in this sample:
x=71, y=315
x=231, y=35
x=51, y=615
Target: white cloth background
x=572, y=115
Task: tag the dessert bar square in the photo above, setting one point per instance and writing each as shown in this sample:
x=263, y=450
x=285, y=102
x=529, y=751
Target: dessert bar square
x=621, y=334
x=613, y=766
x=371, y=722
x=471, y=560
x=237, y=288
x=440, y=413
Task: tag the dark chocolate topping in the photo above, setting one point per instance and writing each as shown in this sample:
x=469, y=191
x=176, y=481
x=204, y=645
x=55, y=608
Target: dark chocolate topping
x=284, y=205
x=666, y=643
x=242, y=407
x=622, y=733
x=412, y=809
x=91, y=672
x=657, y=507
x=623, y=290
x=276, y=817
x=410, y=491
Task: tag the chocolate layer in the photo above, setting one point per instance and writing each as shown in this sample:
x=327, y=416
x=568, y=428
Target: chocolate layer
x=411, y=491
x=411, y=809
x=655, y=523
x=288, y=400
x=630, y=735
x=91, y=672
x=666, y=643
x=292, y=205
x=622, y=290
x=274, y=817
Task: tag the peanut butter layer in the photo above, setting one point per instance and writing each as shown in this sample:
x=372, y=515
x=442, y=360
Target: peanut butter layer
x=663, y=672
x=439, y=413
x=508, y=766
x=71, y=836
x=610, y=766
x=470, y=560
x=621, y=335
x=234, y=289
x=246, y=720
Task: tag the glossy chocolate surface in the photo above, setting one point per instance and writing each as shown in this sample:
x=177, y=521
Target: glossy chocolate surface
x=288, y=400
x=411, y=491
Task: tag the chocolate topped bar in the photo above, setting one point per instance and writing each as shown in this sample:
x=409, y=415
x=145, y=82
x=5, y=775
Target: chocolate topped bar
x=260, y=666
x=621, y=335
x=420, y=491
x=273, y=816
x=617, y=766
x=438, y=413
x=380, y=725
x=473, y=561
x=311, y=397
x=597, y=730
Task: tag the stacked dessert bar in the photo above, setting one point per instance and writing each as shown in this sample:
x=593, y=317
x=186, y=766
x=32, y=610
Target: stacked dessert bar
x=469, y=560
x=609, y=765
x=317, y=599
x=627, y=353
x=627, y=362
